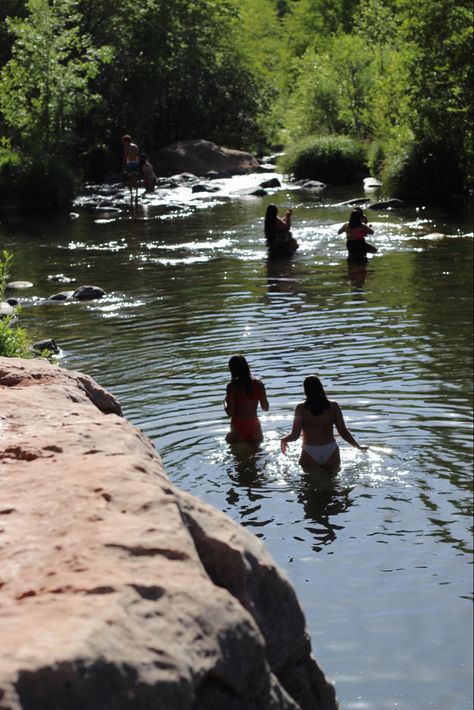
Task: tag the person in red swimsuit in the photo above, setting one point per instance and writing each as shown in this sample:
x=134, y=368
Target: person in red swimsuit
x=243, y=395
x=356, y=230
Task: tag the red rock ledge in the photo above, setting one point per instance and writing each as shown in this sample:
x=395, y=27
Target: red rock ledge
x=117, y=590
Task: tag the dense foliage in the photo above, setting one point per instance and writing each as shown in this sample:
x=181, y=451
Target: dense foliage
x=394, y=75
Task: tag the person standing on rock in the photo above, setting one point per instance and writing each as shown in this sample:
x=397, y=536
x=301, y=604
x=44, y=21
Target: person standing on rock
x=244, y=394
x=131, y=164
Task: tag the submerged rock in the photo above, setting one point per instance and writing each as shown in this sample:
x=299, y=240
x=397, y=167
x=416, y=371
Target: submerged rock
x=60, y=278
x=120, y=591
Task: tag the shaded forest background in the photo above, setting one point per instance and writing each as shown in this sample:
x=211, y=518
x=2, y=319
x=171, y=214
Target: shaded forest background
x=388, y=80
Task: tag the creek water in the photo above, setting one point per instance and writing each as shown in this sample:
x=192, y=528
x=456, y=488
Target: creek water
x=380, y=553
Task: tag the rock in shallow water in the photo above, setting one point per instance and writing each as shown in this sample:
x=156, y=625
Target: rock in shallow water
x=88, y=293
x=119, y=590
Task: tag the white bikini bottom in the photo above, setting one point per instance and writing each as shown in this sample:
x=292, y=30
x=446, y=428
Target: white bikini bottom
x=320, y=454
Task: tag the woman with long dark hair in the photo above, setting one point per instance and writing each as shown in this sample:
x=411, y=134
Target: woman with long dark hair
x=356, y=230
x=243, y=395
x=277, y=230
x=315, y=418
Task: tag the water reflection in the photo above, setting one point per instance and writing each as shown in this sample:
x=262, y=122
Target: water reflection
x=280, y=273
x=357, y=273
x=323, y=498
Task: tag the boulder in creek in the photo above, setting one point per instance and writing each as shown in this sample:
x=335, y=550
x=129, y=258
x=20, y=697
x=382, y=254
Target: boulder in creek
x=273, y=182
x=391, y=203
x=6, y=309
x=353, y=201
x=18, y=284
x=49, y=345
x=200, y=187
x=62, y=296
x=120, y=591
x=88, y=293
x=252, y=192
x=200, y=157
x=313, y=185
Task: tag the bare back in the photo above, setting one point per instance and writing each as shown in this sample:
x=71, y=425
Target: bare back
x=242, y=405
x=317, y=429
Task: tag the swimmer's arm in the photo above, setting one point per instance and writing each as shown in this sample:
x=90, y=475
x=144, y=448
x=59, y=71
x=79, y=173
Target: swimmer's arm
x=368, y=230
x=342, y=229
x=263, y=398
x=341, y=427
x=295, y=431
x=229, y=402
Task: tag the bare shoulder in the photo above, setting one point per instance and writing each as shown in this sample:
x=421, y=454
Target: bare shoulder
x=334, y=407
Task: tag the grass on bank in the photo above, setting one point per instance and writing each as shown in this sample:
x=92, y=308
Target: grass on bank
x=14, y=341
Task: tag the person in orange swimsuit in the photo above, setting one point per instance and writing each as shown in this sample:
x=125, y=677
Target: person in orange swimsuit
x=315, y=418
x=243, y=395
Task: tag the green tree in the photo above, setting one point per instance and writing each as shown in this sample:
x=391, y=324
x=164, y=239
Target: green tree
x=437, y=36
x=45, y=84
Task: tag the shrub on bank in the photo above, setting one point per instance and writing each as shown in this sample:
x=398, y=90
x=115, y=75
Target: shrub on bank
x=14, y=342
x=35, y=184
x=331, y=159
x=426, y=171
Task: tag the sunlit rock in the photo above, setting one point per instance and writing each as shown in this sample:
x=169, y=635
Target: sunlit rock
x=117, y=589
x=18, y=285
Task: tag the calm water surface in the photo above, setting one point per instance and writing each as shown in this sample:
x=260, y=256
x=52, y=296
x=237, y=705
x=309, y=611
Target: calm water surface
x=380, y=554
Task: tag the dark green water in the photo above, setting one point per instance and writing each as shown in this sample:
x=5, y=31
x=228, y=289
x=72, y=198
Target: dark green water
x=380, y=556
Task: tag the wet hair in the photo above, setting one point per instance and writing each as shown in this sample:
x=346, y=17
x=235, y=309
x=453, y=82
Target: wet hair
x=240, y=371
x=316, y=400
x=270, y=220
x=355, y=218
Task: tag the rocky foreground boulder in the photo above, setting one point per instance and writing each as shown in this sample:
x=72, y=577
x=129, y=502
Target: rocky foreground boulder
x=118, y=591
x=200, y=157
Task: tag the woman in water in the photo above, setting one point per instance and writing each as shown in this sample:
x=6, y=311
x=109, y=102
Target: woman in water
x=356, y=230
x=243, y=395
x=315, y=418
x=277, y=230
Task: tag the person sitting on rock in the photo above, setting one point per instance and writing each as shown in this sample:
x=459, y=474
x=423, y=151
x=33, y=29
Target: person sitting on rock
x=149, y=177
